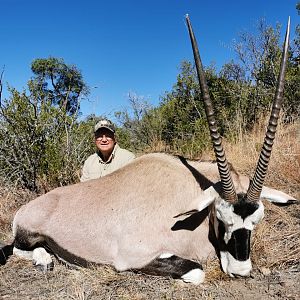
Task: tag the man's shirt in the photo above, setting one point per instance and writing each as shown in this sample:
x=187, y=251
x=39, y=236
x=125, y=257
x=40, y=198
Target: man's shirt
x=94, y=167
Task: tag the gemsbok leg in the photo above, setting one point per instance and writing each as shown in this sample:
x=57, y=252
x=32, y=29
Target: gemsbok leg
x=175, y=267
x=31, y=246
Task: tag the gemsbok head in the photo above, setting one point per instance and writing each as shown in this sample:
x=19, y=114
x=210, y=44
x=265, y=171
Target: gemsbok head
x=160, y=215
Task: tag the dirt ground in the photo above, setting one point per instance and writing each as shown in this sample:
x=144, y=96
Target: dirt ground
x=19, y=280
x=276, y=273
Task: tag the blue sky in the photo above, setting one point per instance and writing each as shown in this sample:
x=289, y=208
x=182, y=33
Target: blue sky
x=126, y=46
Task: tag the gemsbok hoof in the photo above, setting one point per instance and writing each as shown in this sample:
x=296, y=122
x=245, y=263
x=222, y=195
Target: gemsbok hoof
x=42, y=260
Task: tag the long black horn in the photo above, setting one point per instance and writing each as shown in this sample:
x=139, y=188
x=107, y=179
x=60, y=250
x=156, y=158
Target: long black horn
x=256, y=185
x=229, y=193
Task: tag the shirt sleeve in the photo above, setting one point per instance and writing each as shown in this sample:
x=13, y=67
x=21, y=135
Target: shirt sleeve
x=85, y=173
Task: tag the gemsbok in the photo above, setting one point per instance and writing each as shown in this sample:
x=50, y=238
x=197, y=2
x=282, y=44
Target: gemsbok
x=160, y=215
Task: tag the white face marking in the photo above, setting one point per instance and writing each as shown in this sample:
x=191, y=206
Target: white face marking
x=255, y=218
x=224, y=213
x=232, y=267
x=232, y=221
x=195, y=276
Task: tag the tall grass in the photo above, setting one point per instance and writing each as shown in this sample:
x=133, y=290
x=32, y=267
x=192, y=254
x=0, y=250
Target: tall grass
x=284, y=167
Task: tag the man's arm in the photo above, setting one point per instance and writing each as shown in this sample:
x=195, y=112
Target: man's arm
x=85, y=173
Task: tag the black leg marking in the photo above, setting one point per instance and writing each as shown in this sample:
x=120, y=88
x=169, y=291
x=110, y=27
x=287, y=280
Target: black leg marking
x=65, y=256
x=28, y=241
x=5, y=252
x=173, y=266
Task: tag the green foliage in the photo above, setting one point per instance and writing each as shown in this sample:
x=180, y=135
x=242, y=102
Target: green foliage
x=42, y=144
x=293, y=73
x=60, y=83
x=260, y=56
x=185, y=122
x=140, y=126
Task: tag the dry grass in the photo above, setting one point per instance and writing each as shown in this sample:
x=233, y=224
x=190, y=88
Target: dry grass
x=275, y=246
x=276, y=242
x=284, y=167
x=11, y=198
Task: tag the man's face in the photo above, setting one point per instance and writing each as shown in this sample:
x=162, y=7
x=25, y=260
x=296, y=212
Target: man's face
x=105, y=140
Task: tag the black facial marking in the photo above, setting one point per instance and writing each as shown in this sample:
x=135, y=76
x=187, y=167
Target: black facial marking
x=238, y=245
x=244, y=208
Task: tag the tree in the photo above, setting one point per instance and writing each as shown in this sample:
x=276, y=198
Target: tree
x=260, y=56
x=58, y=82
x=184, y=128
x=293, y=74
x=141, y=125
x=42, y=144
x=1, y=85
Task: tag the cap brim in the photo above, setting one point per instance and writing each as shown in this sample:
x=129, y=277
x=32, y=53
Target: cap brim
x=113, y=131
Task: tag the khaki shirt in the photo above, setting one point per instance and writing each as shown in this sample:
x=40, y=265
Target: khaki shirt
x=94, y=167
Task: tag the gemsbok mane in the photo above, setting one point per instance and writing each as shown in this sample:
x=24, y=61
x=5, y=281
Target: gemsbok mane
x=160, y=214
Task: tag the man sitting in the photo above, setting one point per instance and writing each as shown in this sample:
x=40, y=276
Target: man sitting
x=109, y=155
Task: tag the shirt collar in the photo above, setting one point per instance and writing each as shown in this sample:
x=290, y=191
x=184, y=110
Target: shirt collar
x=113, y=154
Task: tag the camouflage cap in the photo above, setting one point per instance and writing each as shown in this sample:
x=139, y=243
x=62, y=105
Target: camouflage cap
x=105, y=124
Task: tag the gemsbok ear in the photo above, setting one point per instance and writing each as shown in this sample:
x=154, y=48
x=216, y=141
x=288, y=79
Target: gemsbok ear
x=277, y=197
x=209, y=196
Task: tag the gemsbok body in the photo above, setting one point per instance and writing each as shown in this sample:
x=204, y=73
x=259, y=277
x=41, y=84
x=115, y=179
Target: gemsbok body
x=160, y=214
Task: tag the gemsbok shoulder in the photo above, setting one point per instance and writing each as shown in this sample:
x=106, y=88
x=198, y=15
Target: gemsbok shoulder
x=160, y=215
